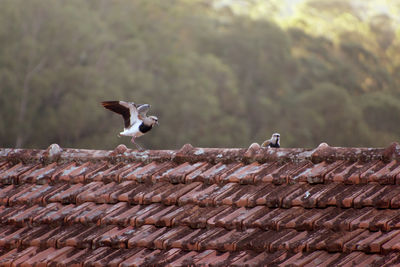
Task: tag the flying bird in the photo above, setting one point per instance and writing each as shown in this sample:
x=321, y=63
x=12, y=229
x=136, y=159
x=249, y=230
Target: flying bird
x=136, y=122
x=273, y=142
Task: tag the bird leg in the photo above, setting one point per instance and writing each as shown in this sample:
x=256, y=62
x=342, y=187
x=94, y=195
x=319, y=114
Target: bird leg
x=136, y=144
x=139, y=147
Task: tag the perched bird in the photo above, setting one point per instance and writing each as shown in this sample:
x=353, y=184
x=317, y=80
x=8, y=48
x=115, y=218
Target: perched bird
x=137, y=123
x=273, y=142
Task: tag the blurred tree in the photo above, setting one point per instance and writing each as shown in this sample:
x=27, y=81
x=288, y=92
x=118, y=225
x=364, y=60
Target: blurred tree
x=333, y=118
x=46, y=68
x=260, y=65
x=215, y=74
x=361, y=30
x=380, y=111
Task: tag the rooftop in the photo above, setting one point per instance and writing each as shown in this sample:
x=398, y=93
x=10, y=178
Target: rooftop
x=200, y=206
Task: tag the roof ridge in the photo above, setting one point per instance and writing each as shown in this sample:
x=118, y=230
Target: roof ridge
x=188, y=153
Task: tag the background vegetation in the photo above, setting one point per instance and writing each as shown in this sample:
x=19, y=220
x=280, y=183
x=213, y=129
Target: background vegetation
x=217, y=73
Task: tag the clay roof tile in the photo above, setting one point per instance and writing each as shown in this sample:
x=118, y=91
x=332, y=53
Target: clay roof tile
x=200, y=206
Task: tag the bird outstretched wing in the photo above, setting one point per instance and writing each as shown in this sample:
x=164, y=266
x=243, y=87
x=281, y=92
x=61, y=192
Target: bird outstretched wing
x=143, y=109
x=132, y=110
x=127, y=110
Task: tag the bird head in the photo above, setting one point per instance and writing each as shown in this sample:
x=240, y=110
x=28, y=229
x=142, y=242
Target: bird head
x=275, y=138
x=153, y=120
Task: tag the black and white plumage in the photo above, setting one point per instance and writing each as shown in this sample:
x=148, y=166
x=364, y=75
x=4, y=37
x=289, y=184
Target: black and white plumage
x=136, y=122
x=273, y=142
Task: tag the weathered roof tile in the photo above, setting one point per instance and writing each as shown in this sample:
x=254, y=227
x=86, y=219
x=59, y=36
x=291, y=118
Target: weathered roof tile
x=179, y=174
x=145, y=236
x=316, y=173
x=245, y=174
x=217, y=172
x=115, y=173
x=11, y=175
x=102, y=173
x=5, y=194
x=144, y=173
x=38, y=174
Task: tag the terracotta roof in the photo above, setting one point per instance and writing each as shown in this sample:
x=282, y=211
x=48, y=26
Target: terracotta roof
x=200, y=206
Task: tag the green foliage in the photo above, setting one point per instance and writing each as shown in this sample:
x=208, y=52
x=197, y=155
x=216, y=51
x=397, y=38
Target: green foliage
x=381, y=112
x=335, y=115
x=216, y=76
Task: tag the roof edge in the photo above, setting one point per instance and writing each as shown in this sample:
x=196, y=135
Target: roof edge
x=188, y=153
